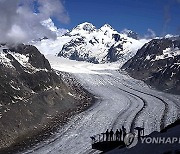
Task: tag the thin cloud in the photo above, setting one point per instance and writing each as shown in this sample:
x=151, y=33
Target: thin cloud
x=178, y=30
x=53, y=8
x=19, y=23
x=167, y=17
x=167, y=13
x=150, y=34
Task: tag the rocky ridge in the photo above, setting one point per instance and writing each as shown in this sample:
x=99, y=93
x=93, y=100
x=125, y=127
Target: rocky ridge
x=32, y=95
x=158, y=64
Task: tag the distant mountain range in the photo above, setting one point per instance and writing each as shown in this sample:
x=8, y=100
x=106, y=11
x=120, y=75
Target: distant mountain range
x=87, y=43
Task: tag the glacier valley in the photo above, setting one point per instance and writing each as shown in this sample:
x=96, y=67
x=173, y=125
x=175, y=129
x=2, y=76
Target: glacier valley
x=121, y=101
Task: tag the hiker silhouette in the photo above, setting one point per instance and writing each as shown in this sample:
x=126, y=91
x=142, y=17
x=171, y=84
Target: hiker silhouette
x=124, y=132
x=117, y=135
x=120, y=134
x=107, y=135
x=111, y=135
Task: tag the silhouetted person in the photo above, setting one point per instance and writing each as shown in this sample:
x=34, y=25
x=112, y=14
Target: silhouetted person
x=120, y=134
x=107, y=135
x=124, y=132
x=117, y=135
x=123, y=128
x=111, y=135
x=103, y=135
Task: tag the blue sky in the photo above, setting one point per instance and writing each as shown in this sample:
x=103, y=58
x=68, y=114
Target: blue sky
x=162, y=16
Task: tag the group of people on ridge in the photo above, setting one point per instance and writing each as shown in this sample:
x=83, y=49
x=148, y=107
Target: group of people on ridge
x=119, y=135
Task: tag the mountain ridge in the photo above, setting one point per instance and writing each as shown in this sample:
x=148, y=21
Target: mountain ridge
x=33, y=97
x=85, y=42
x=158, y=64
x=99, y=45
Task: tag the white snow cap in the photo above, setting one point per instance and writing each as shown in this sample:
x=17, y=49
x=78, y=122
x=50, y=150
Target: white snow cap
x=171, y=36
x=85, y=26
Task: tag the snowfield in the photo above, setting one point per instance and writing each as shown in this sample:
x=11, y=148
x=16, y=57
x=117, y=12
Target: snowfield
x=121, y=101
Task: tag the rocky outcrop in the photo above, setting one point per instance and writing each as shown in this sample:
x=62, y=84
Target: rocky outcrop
x=130, y=33
x=32, y=95
x=158, y=64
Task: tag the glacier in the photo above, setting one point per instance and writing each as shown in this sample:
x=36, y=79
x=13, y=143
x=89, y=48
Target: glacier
x=121, y=101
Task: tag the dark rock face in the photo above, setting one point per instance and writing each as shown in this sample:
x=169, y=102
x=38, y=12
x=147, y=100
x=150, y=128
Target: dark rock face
x=130, y=33
x=32, y=95
x=158, y=64
x=114, y=54
x=133, y=35
x=116, y=37
x=36, y=59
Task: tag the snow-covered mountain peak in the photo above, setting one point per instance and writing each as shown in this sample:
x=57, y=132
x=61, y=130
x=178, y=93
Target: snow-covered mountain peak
x=106, y=27
x=87, y=43
x=86, y=26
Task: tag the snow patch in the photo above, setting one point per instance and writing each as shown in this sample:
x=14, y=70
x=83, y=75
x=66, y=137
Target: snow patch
x=70, y=94
x=3, y=57
x=18, y=97
x=148, y=57
x=22, y=59
x=14, y=87
x=168, y=53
